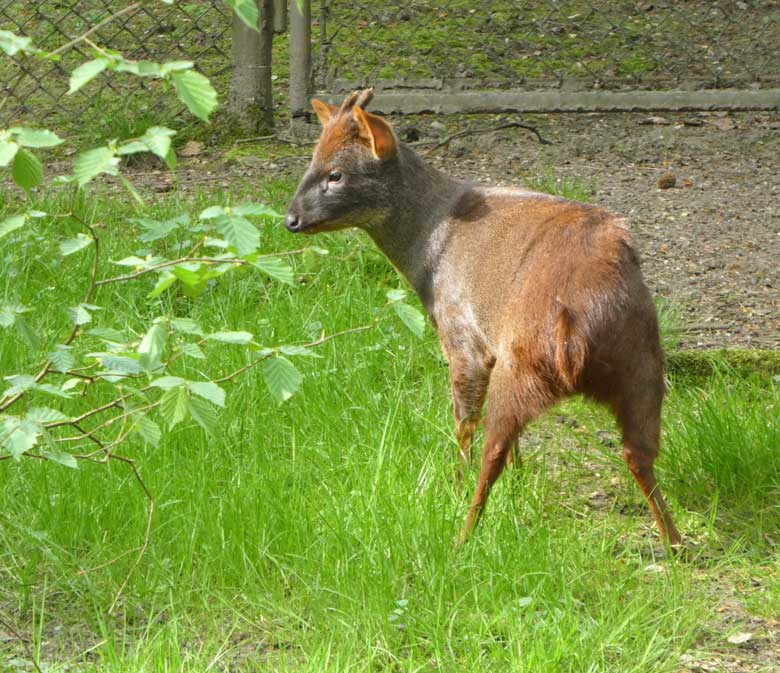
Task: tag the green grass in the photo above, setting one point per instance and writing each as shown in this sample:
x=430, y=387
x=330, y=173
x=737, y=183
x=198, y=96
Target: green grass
x=317, y=536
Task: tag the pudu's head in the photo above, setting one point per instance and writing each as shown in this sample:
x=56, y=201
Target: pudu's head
x=350, y=181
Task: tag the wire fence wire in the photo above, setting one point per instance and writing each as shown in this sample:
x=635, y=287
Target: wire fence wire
x=567, y=45
x=538, y=44
x=198, y=31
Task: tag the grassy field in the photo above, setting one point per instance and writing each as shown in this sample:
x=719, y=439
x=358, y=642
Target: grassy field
x=317, y=536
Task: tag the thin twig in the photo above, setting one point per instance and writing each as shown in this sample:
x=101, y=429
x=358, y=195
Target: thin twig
x=471, y=132
x=278, y=138
x=200, y=260
x=24, y=643
x=96, y=27
x=147, y=536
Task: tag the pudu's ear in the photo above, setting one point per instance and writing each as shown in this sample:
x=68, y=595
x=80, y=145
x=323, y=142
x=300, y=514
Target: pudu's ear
x=324, y=110
x=375, y=132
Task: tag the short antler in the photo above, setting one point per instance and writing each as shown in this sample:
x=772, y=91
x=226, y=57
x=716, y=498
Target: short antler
x=365, y=97
x=357, y=98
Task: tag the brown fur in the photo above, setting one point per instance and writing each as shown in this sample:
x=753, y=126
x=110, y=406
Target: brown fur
x=534, y=297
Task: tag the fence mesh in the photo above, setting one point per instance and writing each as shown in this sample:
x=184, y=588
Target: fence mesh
x=459, y=44
x=198, y=30
x=549, y=43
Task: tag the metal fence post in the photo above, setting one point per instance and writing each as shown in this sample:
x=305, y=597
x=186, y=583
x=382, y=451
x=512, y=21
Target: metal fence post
x=300, y=56
x=251, y=93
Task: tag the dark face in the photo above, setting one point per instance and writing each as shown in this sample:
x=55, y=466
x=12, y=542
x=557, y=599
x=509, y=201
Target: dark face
x=344, y=186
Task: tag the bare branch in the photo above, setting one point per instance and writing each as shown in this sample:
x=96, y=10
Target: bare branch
x=23, y=641
x=201, y=260
x=148, y=534
x=127, y=10
x=472, y=132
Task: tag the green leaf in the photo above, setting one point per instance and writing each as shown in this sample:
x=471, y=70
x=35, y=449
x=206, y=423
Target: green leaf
x=281, y=377
x=148, y=429
x=62, y=358
x=18, y=435
x=10, y=224
x=51, y=390
x=132, y=260
x=211, y=212
x=174, y=66
x=75, y=244
x=192, y=351
x=246, y=10
x=9, y=313
x=61, y=457
x=170, y=159
x=168, y=382
x=240, y=338
x=203, y=413
x=12, y=44
x=8, y=150
x=165, y=280
x=154, y=230
x=35, y=137
x=396, y=295
x=131, y=147
x=411, y=317
x=186, y=325
x=299, y=350
x=140, y=68
x=255, y=209
x=27, y=171
x=240, y=233
x=121, y=364
x=276, y=268
x=196, y=92
x=108, y=334
x=192, y=281
x=174, y=406
x=210, y=391
x=19, y=384
x=45, y=415
x=27, y=333
x=70, y=384
x=151, y=348
x=79, y=314
x=158, y=140
x=86, y=72
x=94, y=162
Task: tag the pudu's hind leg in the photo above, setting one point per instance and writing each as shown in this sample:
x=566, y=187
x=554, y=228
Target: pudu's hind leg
x=638, y=411
x=513, y=402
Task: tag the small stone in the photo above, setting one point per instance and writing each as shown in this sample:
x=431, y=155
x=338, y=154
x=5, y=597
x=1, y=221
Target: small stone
x=192, y=148
x=739, y=638
x=667, y=181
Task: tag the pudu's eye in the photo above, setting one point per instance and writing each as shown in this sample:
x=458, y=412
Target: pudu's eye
x=335, y=176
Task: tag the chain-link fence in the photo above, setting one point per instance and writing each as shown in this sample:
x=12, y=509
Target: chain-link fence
x=198, y=30
x=582, y=48
x=581, y=44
